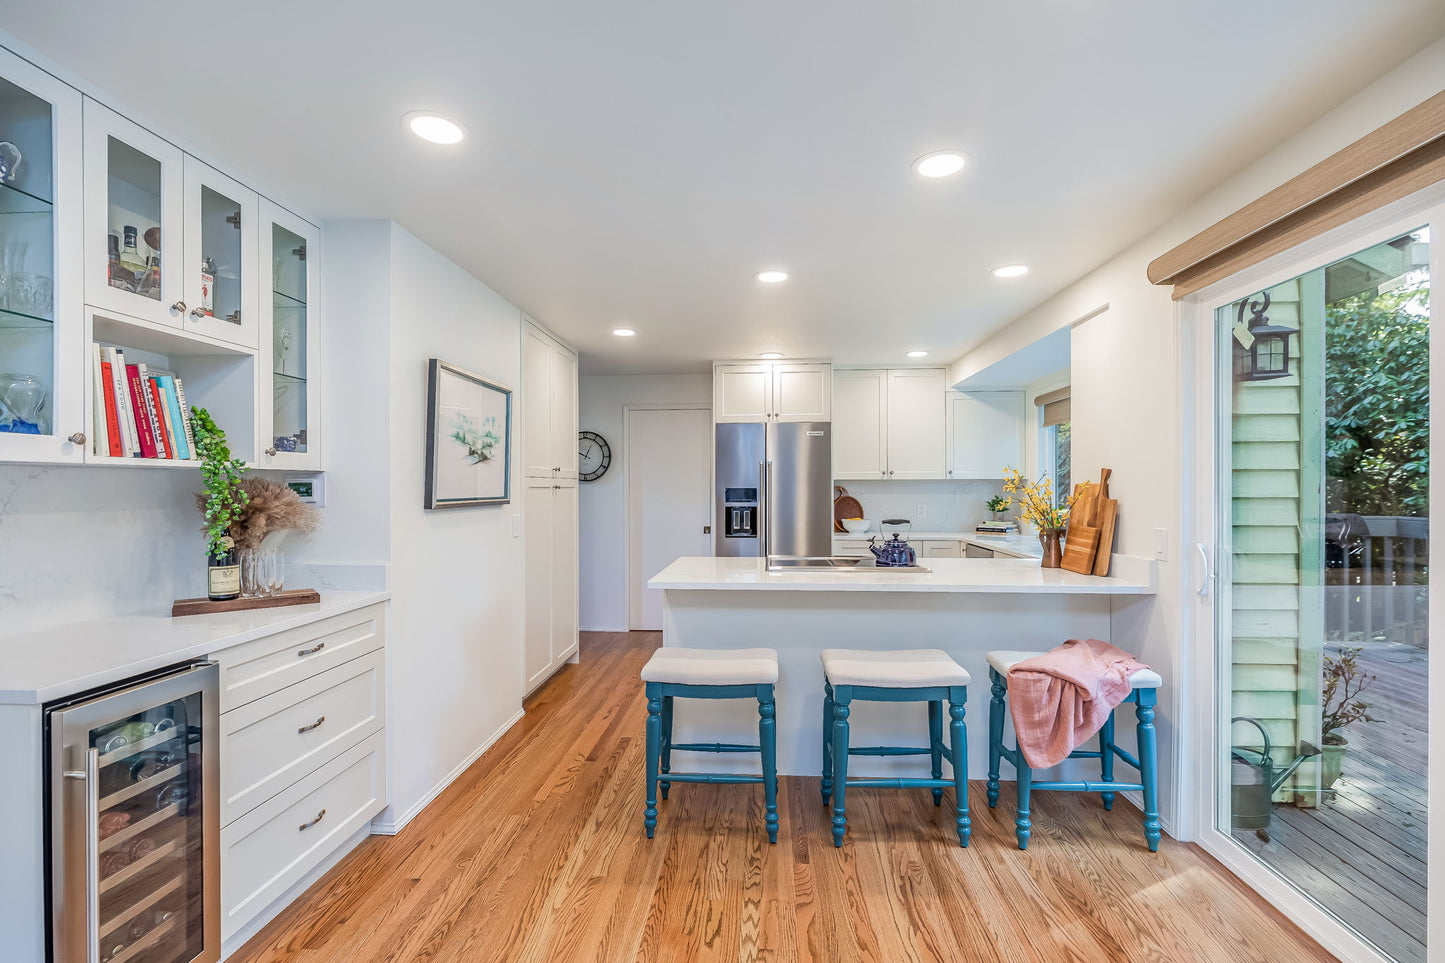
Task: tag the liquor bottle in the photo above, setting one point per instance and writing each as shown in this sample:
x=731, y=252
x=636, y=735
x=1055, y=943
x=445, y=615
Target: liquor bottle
x=130, y=258
x=208, y=286
x=117, y=276
x=223, y=573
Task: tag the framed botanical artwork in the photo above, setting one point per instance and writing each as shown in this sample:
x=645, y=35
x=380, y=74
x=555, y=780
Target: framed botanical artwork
x=468, y=439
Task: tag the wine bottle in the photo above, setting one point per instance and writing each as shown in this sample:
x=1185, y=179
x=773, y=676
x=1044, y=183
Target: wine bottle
x=130, y=258
x=223, y=573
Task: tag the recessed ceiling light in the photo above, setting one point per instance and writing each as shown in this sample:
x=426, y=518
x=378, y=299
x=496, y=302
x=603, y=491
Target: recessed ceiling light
x=434, y=127
x=623, y=332
x=940, y=163
x=771, y=277
x=771, y=355
x=1011, y=271
x=918, y=354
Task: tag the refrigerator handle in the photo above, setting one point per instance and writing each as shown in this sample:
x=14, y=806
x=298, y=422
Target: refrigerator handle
x=764, y=524
x=90, y=775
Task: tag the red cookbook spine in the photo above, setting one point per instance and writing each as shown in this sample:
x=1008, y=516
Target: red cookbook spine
x=112, y=419
x=138, y=395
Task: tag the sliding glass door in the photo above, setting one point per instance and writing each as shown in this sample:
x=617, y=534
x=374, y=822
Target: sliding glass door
x=1322, y=420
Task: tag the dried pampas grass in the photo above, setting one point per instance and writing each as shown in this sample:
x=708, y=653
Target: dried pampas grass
x=271, y=507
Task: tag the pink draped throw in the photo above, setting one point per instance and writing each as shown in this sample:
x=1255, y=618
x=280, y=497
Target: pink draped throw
x=1061, y=698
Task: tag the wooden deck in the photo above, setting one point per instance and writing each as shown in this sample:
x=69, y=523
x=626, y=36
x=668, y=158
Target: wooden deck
x=1361, y=855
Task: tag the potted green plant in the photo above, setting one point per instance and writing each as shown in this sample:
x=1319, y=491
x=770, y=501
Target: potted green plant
x=1340, y=705
x=997, y=505
x=221, y=504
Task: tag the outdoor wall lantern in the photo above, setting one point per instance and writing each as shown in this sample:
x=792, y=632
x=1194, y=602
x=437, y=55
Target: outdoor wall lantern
x=1261, y=349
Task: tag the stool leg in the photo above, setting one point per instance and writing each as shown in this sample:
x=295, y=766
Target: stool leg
x=841, y=697
x=1148, y=760
x=995, y=735
x=666, y=766
x=1022, y=826
x=935, y=743
x=827, y=785
x=958, y=744
x=654, y=752
x=1106, y=758
x=768, y=740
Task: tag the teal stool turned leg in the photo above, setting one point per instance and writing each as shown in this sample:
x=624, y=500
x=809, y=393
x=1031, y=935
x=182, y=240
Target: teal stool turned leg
x=1148, y=765
x=768, y=742
x=958, y=747
x=666, y=763
x=1023, y=828
x=654, y=754
x=827, y=784
x=1106, y=758
x=935, y=746
x=842, y=695
x=995, y=735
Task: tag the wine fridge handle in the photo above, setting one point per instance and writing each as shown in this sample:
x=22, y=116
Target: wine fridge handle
x=91, y=777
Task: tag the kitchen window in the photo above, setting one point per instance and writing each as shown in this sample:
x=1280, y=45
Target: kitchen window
x=1055, y=439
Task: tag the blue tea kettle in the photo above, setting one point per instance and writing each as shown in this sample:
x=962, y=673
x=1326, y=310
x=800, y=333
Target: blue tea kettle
x=893, y=553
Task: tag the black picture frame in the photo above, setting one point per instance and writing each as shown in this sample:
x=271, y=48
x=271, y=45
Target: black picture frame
x=477, y=435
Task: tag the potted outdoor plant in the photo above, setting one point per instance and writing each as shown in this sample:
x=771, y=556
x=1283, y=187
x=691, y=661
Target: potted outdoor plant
x=1039, y=508
x=1340, y=705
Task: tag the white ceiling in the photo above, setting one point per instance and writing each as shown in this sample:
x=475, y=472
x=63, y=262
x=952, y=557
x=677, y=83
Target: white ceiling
x=637, y=162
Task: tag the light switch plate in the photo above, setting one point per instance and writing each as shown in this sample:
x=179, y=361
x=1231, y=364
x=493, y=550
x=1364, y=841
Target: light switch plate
x=1161, y=544
x=516, y=525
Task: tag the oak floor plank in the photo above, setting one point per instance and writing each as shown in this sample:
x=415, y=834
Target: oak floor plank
x=536, y=853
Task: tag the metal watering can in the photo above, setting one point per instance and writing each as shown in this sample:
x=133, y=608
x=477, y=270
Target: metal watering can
x=1254, y=779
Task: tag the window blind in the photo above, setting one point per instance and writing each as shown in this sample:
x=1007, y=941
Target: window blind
x=1055, y=405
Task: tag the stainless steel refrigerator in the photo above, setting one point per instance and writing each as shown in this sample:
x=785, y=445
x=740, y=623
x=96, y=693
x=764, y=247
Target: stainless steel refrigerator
x=774, y=489
x=134, y=830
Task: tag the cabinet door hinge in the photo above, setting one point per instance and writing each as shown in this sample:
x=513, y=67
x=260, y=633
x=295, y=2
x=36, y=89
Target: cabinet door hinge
x=234, y=220
x=300, y=252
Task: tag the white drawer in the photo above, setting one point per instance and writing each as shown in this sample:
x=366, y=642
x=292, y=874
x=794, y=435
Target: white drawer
x=851, y=547
x=270, y=848
x=262, y=666
x=268, y=744
x=940, y=548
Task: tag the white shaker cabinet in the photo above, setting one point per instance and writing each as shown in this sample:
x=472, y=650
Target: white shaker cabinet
x=550, y=578
x=549, y=406
x=985, y=433
x=888, y=423
x=772, y=391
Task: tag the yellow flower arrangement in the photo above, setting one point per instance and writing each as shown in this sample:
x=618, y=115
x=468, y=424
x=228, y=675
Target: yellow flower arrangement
x=1036, y=500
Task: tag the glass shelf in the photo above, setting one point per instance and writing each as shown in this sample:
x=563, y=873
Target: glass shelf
x=288, y=379
x=13, y=200
x=282, y=300
x=13, y=320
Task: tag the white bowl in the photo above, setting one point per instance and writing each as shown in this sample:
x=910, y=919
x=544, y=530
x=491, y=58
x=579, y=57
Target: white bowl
x=856, y=526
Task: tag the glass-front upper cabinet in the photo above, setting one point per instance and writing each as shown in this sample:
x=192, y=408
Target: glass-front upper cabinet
x=41, y=391
x=290, y=405
x=220, y=287
x=133, y=189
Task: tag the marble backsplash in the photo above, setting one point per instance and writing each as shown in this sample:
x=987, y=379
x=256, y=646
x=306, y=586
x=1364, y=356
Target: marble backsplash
x=949, y=506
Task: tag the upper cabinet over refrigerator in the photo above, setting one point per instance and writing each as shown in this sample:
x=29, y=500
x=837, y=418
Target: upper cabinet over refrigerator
x=41, y=392
x=290, y=406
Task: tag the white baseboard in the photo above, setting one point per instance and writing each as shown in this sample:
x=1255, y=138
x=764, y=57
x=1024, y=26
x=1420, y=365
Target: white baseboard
x=394, y=825
x=603, y=628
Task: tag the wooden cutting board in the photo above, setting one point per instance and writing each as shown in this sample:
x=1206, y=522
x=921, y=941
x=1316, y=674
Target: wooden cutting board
x=1108, y=515
x=1079, y=549
x=1085, y=526
x=844, y=506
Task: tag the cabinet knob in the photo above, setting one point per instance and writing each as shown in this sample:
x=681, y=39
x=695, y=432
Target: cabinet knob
x=271, y=451
x=78, y=438
x=196, y=313
x=179, y=306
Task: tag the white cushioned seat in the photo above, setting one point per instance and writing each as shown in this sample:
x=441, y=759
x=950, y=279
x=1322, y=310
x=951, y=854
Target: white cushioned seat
x=1004, y=659
x=712, y=666
x=892, y=669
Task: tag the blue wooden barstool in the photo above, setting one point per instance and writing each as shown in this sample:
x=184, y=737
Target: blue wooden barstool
x=709, y=674
x=1144, y=695
x=910, y=675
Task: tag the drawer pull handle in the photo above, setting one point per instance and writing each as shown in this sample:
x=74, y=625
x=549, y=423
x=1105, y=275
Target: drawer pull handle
x=305, y=826
x=312, y=726
x=311, y=651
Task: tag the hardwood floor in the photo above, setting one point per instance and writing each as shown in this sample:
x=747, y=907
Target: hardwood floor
x=537, y=853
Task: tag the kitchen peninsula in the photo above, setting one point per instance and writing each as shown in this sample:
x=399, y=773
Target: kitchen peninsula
x=966, y=607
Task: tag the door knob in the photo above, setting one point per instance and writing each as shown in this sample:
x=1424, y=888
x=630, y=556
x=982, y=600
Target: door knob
x=179, y=306
x=78, y=438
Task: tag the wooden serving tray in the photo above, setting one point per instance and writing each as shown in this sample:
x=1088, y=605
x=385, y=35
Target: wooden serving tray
x=206, y=606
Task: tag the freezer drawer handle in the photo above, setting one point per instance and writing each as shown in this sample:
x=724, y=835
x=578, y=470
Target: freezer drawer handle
x=91, y=776
x=312, y=726
x=305, y=826
x=311, y=651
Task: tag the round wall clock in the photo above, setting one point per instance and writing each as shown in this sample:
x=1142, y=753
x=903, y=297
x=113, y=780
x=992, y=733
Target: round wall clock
x=594, y=456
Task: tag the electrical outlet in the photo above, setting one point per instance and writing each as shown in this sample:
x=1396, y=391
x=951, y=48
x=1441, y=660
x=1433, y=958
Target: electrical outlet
x=1161, y=544
x=921, y=511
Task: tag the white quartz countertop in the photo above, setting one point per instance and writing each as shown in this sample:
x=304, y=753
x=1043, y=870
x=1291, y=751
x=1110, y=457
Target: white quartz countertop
x=979, y=575
x=53, y=663
x=1021, y=545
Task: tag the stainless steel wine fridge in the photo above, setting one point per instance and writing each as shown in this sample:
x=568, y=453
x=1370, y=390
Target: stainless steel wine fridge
x=134, y=828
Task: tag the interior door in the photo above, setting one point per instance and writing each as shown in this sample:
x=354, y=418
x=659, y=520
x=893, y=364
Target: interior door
x=669, y=504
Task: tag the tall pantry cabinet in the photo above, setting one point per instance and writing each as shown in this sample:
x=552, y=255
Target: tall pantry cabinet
x=549, y=452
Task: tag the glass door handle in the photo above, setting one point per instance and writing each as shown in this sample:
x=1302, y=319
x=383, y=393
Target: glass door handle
x=1207, y=571
x=90, y=775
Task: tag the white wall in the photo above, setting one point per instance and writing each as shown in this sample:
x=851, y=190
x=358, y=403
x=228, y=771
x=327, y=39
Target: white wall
x=1126, y=393
x=603, y=503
